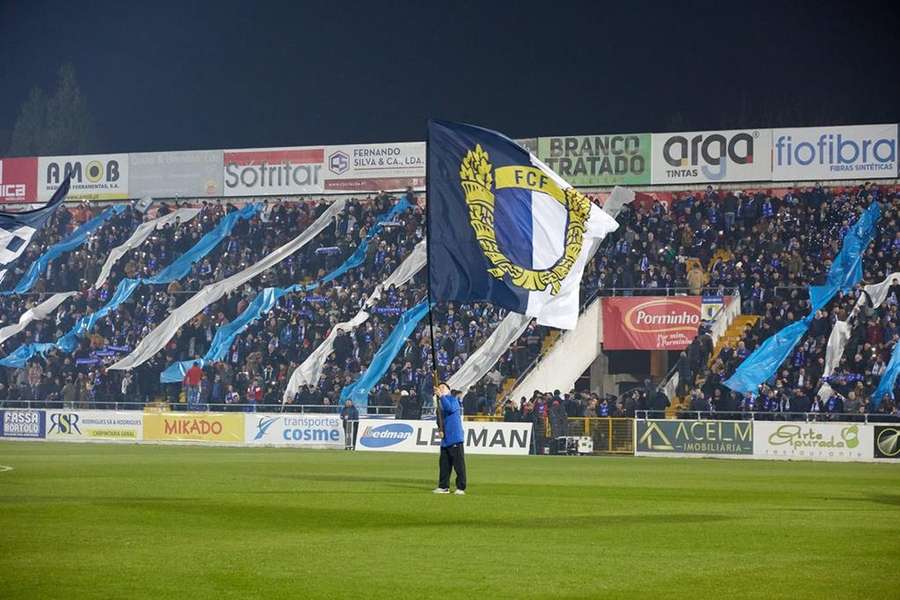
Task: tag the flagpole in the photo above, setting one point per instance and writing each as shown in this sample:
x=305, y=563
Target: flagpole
x=435, y=379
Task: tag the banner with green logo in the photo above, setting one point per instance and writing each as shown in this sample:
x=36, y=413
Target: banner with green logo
x=694, y=437
x=813, y=441
x=598, y=160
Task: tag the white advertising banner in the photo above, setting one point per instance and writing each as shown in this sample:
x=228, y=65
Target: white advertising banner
x=711, y=156
x=94, y=176
x=812, y=441
x=287, y=429
x=273, y=171
x=192, y=174
x=94, y=426
x=375, y=167
x=824, y=153
x=422, y=436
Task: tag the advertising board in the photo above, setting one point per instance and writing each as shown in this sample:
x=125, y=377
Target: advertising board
x=711, y=156
x=813, y=441
x=423, y=436
x=189, y=427
x=94, y=425
x=94, y=176
x=824, y=153
x=598, y=160
x=273, y=171
x=887, y=442
x=650, y=323
x=193, y=174
x=286, y=429
x=18, y=180
x=22, y=424
x=375, y=167
x=733, y=438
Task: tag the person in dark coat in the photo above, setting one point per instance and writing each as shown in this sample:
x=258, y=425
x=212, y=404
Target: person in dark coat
x=559, y=424
x=350, y=418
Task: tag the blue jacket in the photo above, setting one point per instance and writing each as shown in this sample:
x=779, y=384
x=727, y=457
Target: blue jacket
x=451, y=409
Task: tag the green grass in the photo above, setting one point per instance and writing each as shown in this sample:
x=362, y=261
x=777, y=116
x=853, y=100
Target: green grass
x=111, y=521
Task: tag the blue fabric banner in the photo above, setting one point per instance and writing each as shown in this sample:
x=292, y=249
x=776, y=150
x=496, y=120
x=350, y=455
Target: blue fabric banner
x=266, y=299
x=846, y=270
x=226, y=334
x=888, y=379
x=72, y=241
x=765, y=360
x=845, y=273
x=358, y=391
x=176, y=270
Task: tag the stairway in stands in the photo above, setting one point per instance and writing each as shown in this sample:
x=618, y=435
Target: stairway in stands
x=732, y=336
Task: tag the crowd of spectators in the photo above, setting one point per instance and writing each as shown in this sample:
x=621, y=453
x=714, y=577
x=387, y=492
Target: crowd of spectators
x=767, y=246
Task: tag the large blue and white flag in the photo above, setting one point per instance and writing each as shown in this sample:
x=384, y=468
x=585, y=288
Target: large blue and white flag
x=17, y=229
x=504, y=228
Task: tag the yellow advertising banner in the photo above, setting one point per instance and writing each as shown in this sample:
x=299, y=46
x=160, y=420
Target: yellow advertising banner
x=206, y=427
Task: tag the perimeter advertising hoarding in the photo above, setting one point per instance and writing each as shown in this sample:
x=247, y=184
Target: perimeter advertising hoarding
x=598, y=160
x=273, y=171
x=94, y=176
x=423, y=436
x=94, y=426
x=29, y=424
x=193, y=174
x=887, y=442
x=711, y=157
x=813, y=441
x=734, y=438
x=194, y=427
x=286, y=429
x=824, y=153
x=375, y=167
x=650, y=323
x=18, y=180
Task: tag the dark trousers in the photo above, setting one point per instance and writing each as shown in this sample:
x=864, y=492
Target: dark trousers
x=453, y=457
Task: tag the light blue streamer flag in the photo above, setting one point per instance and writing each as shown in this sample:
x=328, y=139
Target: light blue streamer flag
x=265, y=301
x=180, y=267
x=888, y=379
x=72, y=241
x=358, y=391
x=845, y=272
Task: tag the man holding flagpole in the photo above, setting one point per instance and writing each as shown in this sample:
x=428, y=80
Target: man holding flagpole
x=503, y=228
x=453, y=455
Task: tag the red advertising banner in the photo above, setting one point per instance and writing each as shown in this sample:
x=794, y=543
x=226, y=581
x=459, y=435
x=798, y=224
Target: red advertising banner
x=18, y=180
x=650, y=322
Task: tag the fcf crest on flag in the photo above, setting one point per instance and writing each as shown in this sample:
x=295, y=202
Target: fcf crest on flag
x=504, y=228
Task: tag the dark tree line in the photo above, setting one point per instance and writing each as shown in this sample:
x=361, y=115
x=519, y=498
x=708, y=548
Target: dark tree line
x=55, y=123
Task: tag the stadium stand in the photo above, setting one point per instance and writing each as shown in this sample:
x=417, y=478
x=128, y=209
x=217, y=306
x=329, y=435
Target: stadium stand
x=766, y=244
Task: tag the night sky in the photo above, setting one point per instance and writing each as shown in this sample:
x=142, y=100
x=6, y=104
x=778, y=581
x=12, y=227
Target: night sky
x=185, y=75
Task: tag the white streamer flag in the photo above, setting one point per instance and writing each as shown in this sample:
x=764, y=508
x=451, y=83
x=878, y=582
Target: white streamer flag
x=139, y=236
x=878, y=291
x=37, y=313
x=309, y=372
x=165, y=331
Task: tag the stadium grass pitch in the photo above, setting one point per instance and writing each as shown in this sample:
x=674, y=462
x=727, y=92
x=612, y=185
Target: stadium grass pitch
x=112, y=521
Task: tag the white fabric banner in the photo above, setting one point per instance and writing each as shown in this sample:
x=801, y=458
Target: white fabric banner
x=165, y=331
x=37, y=313
x=309, y=372
x=486, y=356
x=878, y=291
x=139, y=236
x=837, y=341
